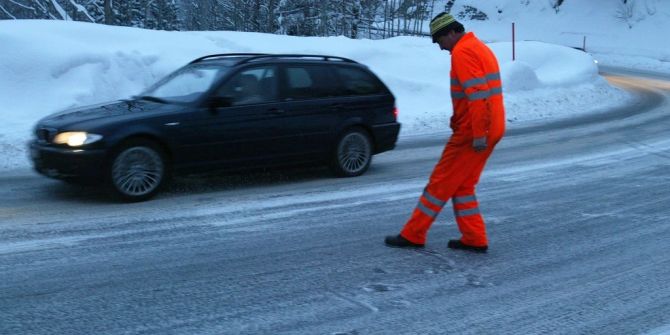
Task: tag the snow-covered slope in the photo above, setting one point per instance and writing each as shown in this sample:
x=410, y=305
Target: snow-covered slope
x=630, y=34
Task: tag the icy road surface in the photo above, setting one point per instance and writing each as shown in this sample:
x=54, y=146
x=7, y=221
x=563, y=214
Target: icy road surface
x=578, y=215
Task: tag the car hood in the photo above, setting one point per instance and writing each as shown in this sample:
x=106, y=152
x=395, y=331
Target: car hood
x=103, y=112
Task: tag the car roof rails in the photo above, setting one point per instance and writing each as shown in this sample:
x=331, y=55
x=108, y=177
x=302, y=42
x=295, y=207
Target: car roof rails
x=226, y=55
x=322, y=57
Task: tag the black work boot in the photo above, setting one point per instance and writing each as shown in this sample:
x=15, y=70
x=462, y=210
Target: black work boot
x=457, y=244
x=400, y=242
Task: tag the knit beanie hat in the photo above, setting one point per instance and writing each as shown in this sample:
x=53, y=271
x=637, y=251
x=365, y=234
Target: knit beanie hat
x=441, y=24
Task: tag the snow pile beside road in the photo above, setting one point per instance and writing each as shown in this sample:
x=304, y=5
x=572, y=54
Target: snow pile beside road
x=551, y=82
x=540, y=65
x=47, y=66
x=519, y=76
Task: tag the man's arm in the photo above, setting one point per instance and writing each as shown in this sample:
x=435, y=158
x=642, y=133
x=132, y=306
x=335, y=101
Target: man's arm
x=470, y=73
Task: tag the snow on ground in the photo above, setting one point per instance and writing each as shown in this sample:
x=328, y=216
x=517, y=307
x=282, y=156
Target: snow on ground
x=47, y=66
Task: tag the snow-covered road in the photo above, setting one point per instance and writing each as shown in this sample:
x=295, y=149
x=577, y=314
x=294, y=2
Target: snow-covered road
x=577, y=214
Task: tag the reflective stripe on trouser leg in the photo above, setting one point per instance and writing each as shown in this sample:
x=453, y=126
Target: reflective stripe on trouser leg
x=432, y=206
x=469, y=220
x=423, y=216
x=466, y=212
x=463, y=199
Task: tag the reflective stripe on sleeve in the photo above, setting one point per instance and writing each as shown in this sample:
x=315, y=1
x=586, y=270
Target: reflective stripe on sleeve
x=493, y=76
x=481, y=80
x=484, y=94
x=474, y=82
x=458, y=95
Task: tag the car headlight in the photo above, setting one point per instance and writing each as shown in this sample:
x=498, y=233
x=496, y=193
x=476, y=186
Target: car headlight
x=76, y=138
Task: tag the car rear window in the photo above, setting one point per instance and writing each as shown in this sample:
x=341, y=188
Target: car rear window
x=359, y=82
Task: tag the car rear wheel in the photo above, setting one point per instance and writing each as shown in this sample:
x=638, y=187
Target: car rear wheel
x=353, y=153
x=138, y=170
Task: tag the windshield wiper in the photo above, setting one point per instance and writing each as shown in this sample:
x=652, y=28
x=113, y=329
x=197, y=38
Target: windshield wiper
x=150, y=98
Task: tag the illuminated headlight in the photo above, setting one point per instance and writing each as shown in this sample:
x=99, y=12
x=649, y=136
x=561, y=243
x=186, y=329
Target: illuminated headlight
x=76, y=138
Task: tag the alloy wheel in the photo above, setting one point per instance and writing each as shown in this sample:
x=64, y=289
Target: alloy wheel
x=354, y=153
x=137, y=171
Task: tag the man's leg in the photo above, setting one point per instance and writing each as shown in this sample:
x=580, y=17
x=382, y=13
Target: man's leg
x=469, y=218
x=447, y=176
x=466, y=207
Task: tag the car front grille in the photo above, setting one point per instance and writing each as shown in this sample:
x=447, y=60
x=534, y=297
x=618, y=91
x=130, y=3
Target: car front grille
x=45, y=135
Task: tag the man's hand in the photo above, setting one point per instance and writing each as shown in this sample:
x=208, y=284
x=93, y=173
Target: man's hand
x=479, y=144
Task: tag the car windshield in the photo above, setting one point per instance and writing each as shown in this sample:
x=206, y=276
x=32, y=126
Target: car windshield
x=186, y=84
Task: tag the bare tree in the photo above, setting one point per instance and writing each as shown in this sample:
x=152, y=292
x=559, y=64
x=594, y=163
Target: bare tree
x=109, y=12
x=625, y=12
x=555, y=4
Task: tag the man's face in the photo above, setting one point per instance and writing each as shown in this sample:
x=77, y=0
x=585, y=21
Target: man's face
x=447, y=42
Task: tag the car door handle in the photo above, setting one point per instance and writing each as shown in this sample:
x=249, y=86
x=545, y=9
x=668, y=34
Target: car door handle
x=276, y=111
x=337, y=107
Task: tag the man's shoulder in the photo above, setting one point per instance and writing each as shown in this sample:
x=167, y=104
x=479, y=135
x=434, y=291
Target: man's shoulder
x=470, y=46
x=465, y=49
x=472, y=40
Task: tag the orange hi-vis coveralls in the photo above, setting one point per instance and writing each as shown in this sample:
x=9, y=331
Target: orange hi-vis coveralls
x=476, y=92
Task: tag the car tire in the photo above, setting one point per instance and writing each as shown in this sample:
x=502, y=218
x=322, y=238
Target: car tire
x=352, y=154
x=137, y=170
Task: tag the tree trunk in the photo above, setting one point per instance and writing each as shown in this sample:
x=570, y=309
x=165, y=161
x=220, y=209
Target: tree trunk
x=271, y=17
x=393, y=13
x=109, y=12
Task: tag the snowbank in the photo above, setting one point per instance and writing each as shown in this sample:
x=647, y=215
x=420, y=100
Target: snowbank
x=46, y=66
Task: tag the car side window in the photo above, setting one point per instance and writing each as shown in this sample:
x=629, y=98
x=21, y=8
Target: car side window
x=308, y=82
x=359, y=82
x=251, y=86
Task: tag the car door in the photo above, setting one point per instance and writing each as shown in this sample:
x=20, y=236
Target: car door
x=247, y=129
x=312, y=108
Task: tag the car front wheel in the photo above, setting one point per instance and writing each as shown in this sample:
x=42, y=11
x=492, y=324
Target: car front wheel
x=138, y=170
x=353, y=153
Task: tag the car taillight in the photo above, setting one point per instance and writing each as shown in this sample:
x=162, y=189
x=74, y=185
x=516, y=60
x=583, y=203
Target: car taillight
x=395, y=112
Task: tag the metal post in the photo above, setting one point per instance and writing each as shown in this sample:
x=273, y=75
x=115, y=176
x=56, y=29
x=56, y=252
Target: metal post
x=513, y=42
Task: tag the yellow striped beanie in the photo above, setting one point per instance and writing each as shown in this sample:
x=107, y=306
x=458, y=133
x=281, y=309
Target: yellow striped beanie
x=439, y=23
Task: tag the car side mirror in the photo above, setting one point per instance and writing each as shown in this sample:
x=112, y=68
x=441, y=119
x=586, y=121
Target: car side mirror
x=219, y=102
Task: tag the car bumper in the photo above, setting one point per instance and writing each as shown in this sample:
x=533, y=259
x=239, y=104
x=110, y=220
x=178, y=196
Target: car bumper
x=386, y=136
x=62, y=163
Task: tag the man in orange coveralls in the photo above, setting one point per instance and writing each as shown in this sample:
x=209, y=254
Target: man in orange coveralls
x=478, y=123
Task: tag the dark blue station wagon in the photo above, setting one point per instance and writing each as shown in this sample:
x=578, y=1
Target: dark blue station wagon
x=227, y=111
